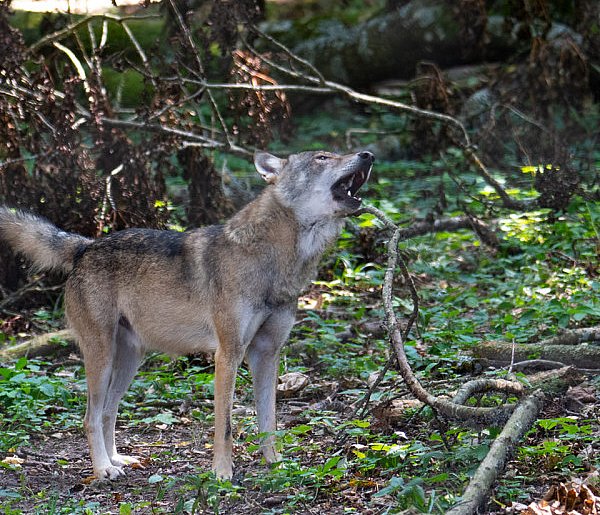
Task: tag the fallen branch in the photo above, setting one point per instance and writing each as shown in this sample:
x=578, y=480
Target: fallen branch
x=522, y=419
x=479, y=386
x=468, y=415
x=41, y=345
x=486, y=234
x=556, y=382
x=519, y=418
x=580, y=356
x=574, y=336
x=422, y=227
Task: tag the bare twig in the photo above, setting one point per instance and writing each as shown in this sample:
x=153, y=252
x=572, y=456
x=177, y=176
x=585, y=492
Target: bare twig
x=140, y=52
x=76, y=62
x=69, y=29
x=469, y=415
x=8, y=162
x=197, y=138
x=482, y=170
x=493, y=464
x=194, y=50
x=291, y=54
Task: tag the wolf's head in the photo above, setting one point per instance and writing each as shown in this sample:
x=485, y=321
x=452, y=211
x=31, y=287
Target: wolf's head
x=317, y=184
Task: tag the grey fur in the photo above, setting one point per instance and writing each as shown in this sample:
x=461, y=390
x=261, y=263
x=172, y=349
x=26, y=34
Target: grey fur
x=46, y=246
x=229, y=289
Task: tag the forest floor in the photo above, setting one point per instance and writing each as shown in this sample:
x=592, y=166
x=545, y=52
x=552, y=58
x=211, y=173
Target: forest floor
x=54, y=472
x=335, y=461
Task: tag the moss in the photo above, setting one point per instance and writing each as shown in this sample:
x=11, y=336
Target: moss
x=129, y=85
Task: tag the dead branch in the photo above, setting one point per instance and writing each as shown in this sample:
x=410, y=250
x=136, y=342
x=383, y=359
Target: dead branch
x=574, y=336
x=469, y=415
x=313, y=76
x=581, y=356
x=556, y=382
x=71, y=28
x=420, y=228
x=196, y=139
x=479, y=386
x=34, y=286
x=41, y=345
x=522, y=419
x=536, y=364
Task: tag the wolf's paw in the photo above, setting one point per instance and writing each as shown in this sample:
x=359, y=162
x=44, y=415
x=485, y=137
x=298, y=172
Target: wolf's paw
x=223, y=469
x=109, y=473
x=273, y=459
x=271, y=455
x=120, y=460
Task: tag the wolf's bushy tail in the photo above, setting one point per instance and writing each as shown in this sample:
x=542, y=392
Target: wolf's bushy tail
x=39, y=241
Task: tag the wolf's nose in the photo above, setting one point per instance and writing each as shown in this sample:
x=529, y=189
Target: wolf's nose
x=366, y=155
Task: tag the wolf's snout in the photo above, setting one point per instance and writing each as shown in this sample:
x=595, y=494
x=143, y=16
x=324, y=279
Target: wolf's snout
x=366, y=155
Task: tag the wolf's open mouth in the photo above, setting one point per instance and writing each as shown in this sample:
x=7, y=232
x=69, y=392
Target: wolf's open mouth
x=348, y=186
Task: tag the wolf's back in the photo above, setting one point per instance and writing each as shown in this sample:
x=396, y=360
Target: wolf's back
x=42, y=243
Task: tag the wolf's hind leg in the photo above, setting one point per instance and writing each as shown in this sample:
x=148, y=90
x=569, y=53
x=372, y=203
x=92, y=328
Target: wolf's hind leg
x=128, y=356
x=98, y=347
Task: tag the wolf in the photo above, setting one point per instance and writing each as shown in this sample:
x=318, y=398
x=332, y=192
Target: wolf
x=229, y=289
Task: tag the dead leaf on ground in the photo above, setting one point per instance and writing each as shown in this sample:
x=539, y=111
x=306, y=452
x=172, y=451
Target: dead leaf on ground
x=563, y=499
x=291, y=383
x=13, y=460
x=392, y=411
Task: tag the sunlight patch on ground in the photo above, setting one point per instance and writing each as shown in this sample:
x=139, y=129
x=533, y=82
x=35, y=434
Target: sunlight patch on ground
x=73, y=6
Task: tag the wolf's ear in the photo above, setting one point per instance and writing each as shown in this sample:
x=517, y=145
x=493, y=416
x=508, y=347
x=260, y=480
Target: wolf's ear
x=268, y=166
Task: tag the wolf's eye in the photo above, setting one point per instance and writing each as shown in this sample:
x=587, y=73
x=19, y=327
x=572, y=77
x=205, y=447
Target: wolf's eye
x=322, y=157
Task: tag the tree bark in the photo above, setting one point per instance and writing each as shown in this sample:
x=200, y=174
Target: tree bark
x=580, y=356
x=503, y=447
x=390, y=45
x=41, y=345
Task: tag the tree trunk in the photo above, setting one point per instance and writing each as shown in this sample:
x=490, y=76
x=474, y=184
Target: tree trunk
x=42, y=345
x=580, y=356
x=391, y=45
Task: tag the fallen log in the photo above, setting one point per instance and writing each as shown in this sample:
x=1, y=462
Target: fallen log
x=392, y=44
x=581, y=356
x=42, y=345
x=522, y=419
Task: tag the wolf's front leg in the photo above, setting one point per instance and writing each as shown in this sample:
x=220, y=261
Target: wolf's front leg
x=225, y=372
x=263, y=358
x=264, y=368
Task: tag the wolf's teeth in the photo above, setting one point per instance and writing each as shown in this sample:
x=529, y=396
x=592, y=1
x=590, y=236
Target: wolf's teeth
x=349, y=194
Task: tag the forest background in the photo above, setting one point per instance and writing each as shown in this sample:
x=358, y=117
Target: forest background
x=482, y=234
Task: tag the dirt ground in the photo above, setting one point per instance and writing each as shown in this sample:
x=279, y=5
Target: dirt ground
x=57, y=472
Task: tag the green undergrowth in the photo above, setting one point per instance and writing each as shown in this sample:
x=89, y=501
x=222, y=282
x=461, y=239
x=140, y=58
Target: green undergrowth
x=468, y=294
x=543, y=277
